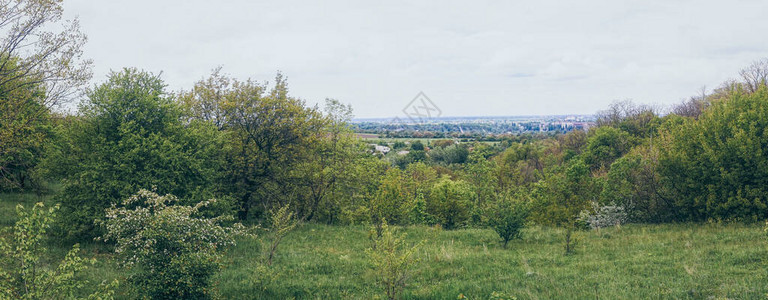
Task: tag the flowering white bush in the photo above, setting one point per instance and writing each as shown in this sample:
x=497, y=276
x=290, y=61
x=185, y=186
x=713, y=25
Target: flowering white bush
x=174, y=250
x=604, y=216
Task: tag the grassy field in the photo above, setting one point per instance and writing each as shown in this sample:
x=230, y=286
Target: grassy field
x=682, y=261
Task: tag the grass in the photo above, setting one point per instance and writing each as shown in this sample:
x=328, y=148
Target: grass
x=686, y=261
x=674, y=261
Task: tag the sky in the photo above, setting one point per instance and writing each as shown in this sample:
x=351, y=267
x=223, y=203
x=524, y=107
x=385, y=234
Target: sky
x=471, y=58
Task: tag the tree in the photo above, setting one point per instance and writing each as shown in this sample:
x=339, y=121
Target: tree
x=606, y=144
x=328, y=165
x=507, y=216
x=634, y=184
x=716, y=166
x=451, y=202
x=392, y=202
x=171, y=252
x=269, y=135
x=567, y=191
x=694, y=106
x=480, y=172
x=755, y=76
x=41, y=57
x=453, y=154
x=39, y=68
x=637, y=120
x=130, y=136
x=520, y=164
x=23, y=273
x=25, y=126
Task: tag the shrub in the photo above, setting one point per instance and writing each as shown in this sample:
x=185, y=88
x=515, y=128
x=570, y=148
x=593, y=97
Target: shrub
x=173, y=252
x=23, y=275
x=392, y=260
x=450, y=202
x=604, y=216
x=507, y=216
x=283, y=221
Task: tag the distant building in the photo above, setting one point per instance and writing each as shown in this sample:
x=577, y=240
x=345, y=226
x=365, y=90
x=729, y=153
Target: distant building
x=380, y=148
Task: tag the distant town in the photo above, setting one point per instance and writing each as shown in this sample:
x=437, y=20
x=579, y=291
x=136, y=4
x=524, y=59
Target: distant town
x=470, y=127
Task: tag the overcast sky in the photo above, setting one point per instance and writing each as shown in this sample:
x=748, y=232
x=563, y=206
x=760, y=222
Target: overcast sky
x=472, y=58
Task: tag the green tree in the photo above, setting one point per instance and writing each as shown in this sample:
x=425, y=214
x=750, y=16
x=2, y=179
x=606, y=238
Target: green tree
x=520, y=164
x=567, y=191
x=40, y=67
x=270, y=135
x=130, y=136
x=391, y=202
x=507, y=216
x=716, y=166
x=451, y=203
x=605, y=145
x=329, y=165
x=481, y=174
x=634, y=183
x=453, y=154
x=25, y=127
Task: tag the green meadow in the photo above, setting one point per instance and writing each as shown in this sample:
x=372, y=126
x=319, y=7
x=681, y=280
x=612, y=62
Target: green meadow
x=670, y=261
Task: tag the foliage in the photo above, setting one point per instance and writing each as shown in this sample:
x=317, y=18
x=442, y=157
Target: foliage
x=23, y=271
x=634, y=183
x=482, y=174
x=327, y=174
x=270, y=137
x=131, y=136
x=442, y=143
x=392, y=201
x=393, y=260
x=25, y=127
x=507, y=217
x=41, y=66
x=567, y=191
x=520, y=164
x=42, y=57
x=453, y=154
x=605, y=145
x=413, y=156
x=451, y=202
x=172, y=252
x=282, y=222
x=637, y=120
x=417, y=146
x=716, y=166
x=604, y=216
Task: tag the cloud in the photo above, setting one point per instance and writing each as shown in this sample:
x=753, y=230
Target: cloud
x=471, y=58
